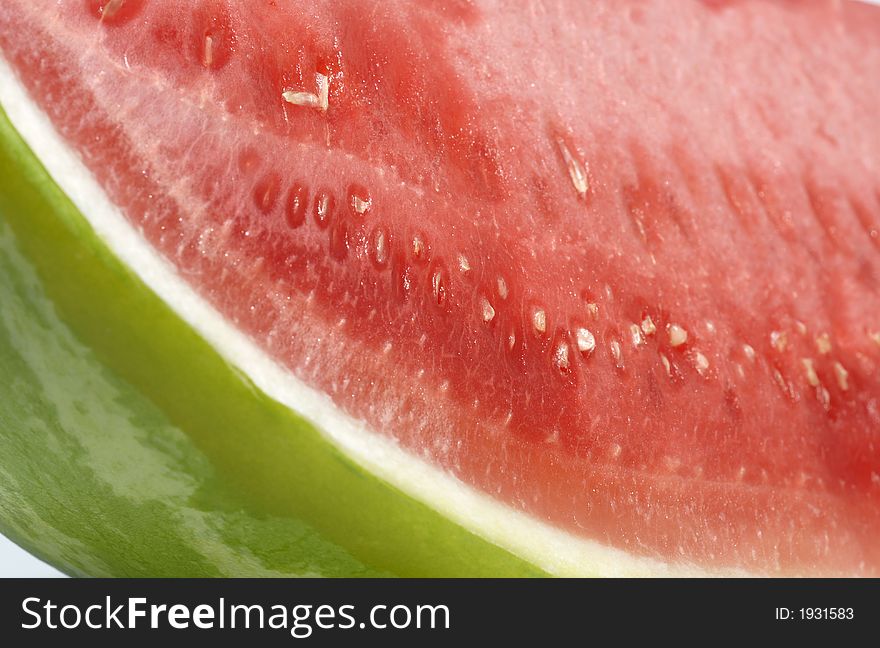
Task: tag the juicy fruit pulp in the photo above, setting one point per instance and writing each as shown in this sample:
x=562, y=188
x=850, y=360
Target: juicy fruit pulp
x=616, y=267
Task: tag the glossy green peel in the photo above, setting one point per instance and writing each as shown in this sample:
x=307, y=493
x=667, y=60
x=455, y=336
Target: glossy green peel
x=128, y=447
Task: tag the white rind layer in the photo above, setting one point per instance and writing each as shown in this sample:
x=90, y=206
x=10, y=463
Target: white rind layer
x=551, y=549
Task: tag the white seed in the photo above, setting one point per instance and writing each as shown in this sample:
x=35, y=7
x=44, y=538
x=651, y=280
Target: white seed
x=615, y=351
x=823, y=344
x=576, y=170
x=777, y=376
x=876, y=337
x=749, y=352
x=586, y=343
x=701, y=363
x=319, y=100
x=502, y=288
x=636, y=334
x=593, y=310
x=842, y=376
x=560, y=356
x=361, y=205
x=648, y=326
x=801, y=327
x=810, y=370
x=463, y=264
x=488, y=310
x=614, y=450
x=779, y=340
x=677, y=335
x=665, y=361
x=208, y=54
x=539, y=320
x=323, y=83
x=418, y=247
x=824, y=398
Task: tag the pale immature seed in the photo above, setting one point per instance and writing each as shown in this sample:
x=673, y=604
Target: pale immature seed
x=823, y=344
x=586, y=342
x=539, y=320
x=677, y=335
x=810, y=372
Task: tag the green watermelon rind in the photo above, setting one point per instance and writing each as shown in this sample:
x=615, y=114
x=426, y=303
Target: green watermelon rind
x=188, y=469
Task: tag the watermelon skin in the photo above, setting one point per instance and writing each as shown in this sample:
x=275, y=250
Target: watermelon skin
x=114, y=464
x=740, y=204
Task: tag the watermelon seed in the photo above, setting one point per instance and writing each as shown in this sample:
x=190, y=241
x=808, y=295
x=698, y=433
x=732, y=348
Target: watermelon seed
x=636, y=334
x=266, y=192
x=319, y=101
x=648, y=327
x=615, y=353
x=842, y=376
x=749, y=352
x=324, y=203
x=208, y=52
x=111, y=9
x=876, y=337
x=823, y=344
x=586, y=342
x=677, y=335
x=777, y=376
x=419, y=249
x=801, y=327
x=824, y=397
x=502, y=288
x=810, y=370
x=360, y=205
x=614, y=450
x=701, y=363
x=576, y=170
x=487, y=310
x=339, y=242
x=379, y=248
x=297, y=203
x=779, y=340
x=360, y=200
x=665, y=361
x=463, y=264
x=560, y=357
x=593, y=310
x=539, y=320
x=438, y=287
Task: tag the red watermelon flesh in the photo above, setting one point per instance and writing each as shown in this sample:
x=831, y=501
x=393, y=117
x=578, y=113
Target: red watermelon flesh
x=615, y=264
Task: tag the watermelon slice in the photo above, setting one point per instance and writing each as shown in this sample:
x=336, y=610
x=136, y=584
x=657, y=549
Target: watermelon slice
x=596, y=282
